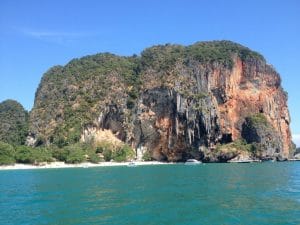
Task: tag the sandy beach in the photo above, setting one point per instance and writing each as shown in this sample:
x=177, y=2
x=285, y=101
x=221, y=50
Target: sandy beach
x=57, y=165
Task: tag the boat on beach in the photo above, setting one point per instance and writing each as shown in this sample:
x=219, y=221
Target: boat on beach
x=85, y=165
x=244, y=161
x=293, y=159
x=192, y=162
x=131, y=164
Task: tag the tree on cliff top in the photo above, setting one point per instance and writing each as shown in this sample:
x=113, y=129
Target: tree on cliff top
x=163, y=57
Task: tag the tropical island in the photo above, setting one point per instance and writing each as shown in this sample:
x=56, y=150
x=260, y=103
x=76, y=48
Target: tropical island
x=214, y=101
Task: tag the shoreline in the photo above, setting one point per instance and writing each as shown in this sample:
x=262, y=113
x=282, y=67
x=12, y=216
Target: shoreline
x=60, y=165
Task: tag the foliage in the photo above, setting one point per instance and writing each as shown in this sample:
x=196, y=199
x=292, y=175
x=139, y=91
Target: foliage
x=75, y=154
x=42, y=154
x=221, y=52
x=164, y=57
x=116, y=153
x=242, y=145
x=147, y=156
x=59, y=140
x=161, y=57
x=90, y=151
x=7, y=154
x=107, y=153
x=258, y=119
x=13, y=122
x=26, y=154
x=239, y=145
x=103, y=145
x=123, y=154
x=93, y=157
x=106, y=149
x=60, y=154
x=99, y=149
x=69, y=93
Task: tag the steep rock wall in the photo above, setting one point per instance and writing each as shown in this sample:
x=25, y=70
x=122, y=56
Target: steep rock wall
x=174, y=102
x=175, y=123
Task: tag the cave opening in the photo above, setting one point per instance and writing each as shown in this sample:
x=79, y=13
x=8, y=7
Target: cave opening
x=226, y=138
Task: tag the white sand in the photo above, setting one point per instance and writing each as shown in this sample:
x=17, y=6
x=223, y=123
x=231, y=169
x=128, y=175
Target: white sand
x=56, y=165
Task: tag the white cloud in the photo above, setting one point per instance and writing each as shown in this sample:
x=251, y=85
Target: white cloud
x=58, y=37
x=50, y=34
x=296, y=139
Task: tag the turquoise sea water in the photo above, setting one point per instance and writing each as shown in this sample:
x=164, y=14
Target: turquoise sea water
x=256, y=193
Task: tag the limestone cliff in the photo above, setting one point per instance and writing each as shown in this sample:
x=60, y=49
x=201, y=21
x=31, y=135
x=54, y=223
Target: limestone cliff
x=173, y=102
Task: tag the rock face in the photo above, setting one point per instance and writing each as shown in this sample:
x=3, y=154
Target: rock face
x=256, y=129
x=173, y=102
x=13, y=122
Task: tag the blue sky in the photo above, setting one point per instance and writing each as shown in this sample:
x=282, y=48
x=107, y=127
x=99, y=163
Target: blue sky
x=35, y=35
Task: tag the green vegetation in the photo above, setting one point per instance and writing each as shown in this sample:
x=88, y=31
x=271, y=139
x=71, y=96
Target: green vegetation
x=116, y=153
x=221, y=52
x=25, y=154
x=240, y=145
x=163, y=57
x=243, y=146
x=258, y=119
x=123, y=154
x=120, y=154
x=147, y=156
x=13, y=122
x=75, y=154
x=60, y=154
x=106, y=149
x=7, y=154
x=70, y=94
x=108, y=155
x=93, y=157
